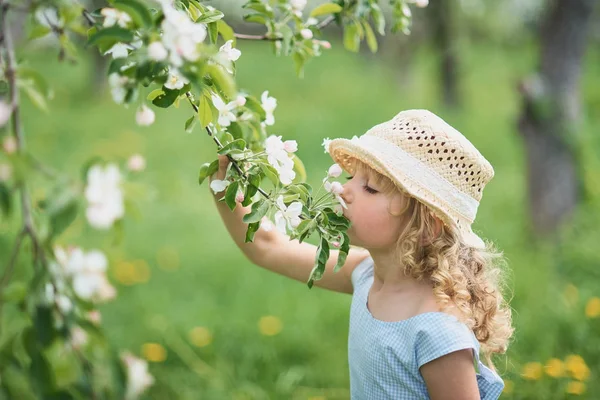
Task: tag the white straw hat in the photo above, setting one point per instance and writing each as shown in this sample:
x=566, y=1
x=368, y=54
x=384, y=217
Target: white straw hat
x=430, y=160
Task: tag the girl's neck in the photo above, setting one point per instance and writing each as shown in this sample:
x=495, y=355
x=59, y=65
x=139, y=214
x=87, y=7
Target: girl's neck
x=389, y=275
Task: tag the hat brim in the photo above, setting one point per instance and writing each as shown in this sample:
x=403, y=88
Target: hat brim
x=342, y=150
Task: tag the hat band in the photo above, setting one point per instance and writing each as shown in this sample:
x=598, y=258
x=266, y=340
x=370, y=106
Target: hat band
x=398, y=159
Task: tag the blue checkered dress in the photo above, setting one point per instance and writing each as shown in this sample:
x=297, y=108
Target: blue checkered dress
x=385, y=357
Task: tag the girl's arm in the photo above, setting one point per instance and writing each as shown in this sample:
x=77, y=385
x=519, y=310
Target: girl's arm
x=275, y=252
x=451, y=377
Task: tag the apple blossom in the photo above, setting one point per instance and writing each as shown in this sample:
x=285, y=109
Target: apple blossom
x=218, y=186
x=298, y=5
x=157, y=51
x=334, y=171
x=119, y=50
x=136, y=163
x=266, y=224
x=9, y=144
x=144, y=116
x=138, y=378
x=175, y=80
x=226, y=117
x=113, y=16
x=104, y=196
x=5, y=113
x=117, y=84
x=229, y=53
x=287, y=216
x=268, y=104
x=422, y=3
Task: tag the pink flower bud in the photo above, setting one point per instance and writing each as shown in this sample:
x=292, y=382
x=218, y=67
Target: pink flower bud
x=9, y=145
x=335, y=243
x=337, y=188
x=136, y=163
x=325, y=44
x=306, y=33
x=94, y=316
x=239, y=197
x=422, y=3
x=290, y=146
x=144, y=116
x=334, y=171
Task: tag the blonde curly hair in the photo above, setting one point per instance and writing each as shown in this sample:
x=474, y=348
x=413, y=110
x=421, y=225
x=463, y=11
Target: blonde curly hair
x=466, y=279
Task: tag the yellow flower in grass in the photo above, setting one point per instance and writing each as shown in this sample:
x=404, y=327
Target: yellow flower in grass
x=571, y=294
x=125, y=273
x=592, y=309
x=154, y=352
x=575, y=387
x=270, y=325
x=200, y=336
x=509, y=386
x=577, y=367
x=532, y=371
x=555, y=368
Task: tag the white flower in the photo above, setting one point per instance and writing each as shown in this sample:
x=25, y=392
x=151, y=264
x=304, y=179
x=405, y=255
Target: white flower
x=334, y=187
x=181, y=35
x=334, y=171
x=104, y=196
x=239, y=196
x=138, y=378
x=175, y=80
x=306, y=33
x=119, y=50
x=87, y=272
x=113, y=16
x=117, y=87
x=298, y=5
x=325, y=144
x=5, y=172
x=422, y=3
x=291, y=146
x=9, y=144
x=144, y=116
x=5, y=113
x=278, y=157
x=266, y=224
x=240, y=101
x=48, y=17
x=226, y=117
x=312, y=21
x=136, y=163
x=287, y=216
x=63, y=302
x=157, y=52
x=322, y=43
x=406, y=10
x=218, y=186
x=79, y=337
x=268, y=104
x=228, y=52
x=94, y=316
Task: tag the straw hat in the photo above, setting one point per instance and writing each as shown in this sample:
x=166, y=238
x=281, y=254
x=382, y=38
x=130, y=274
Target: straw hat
x=430, y=160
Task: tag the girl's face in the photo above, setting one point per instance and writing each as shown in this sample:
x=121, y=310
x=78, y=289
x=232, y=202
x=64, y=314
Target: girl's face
x=376, y=218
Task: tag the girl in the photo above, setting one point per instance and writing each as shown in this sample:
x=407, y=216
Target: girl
x=426, y=289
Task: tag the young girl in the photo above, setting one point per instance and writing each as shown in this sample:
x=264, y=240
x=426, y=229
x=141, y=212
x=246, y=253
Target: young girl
x=426, y=289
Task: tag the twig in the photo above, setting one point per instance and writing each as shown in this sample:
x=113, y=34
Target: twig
x=13, y=260
x=325, y=22
x=257, y=37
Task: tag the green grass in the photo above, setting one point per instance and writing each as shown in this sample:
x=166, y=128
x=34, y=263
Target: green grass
x=214, y=286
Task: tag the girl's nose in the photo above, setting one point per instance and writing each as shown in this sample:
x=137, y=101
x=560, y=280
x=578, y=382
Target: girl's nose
x=347, y=193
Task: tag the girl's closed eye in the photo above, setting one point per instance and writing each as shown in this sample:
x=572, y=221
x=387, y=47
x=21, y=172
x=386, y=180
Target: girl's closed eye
x=365, y=187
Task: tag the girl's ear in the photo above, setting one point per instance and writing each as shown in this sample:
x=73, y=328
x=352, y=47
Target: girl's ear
x=397, y=204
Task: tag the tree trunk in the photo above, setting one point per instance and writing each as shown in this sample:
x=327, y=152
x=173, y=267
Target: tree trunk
x=442, y=15
x=550, y=112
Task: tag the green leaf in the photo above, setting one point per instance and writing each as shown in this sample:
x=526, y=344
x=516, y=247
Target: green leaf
x=226, y=31
x=190, y=123
x=252, y=229
x=207, y=170
x=299, y=60
x=106, y=38
x=213, y=32
x=37, y=98
x=44, y=325
x=251, y=189
x=238, y=144
x=210, y=16
x=154, y=94
x=15, y=292
x=351, y=38
x=320, y=261
x=230, y=195
x=344, y=249
x=258, y=210
x=253, y=104
x=256, y=18
x=63, y=364
x=371, y=40
x=222, y=79
x=261, y=8
x=270, y=173
x=378, y=18
x=205, y=111
x=327, y=8
x=62, y=218
x=38, y=31
x=166, y=99
x=138, y=12
x=5, y=199
x=299, y=169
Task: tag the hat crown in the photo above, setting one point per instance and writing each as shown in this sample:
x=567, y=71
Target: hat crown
x=439, y=146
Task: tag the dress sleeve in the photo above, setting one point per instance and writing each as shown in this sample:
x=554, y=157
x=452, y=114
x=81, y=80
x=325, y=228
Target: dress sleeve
x=362, y=271
x=437, y=338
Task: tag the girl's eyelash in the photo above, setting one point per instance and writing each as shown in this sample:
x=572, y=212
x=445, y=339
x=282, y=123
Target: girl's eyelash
x=365, y=187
